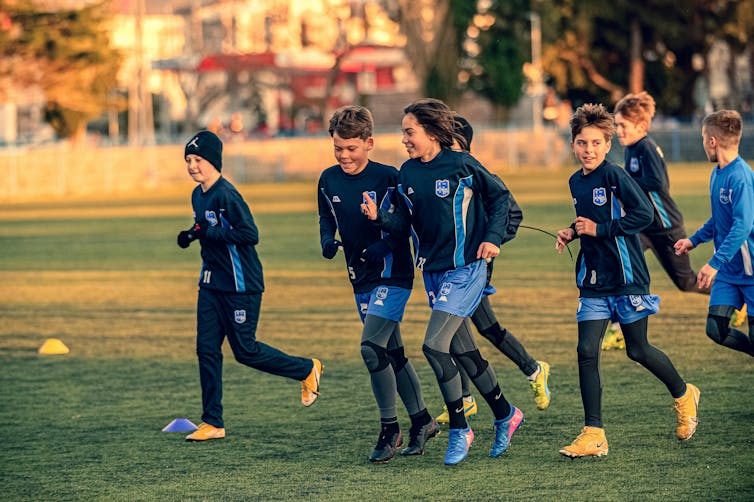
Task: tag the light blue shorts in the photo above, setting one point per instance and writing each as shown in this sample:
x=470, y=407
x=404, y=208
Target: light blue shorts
x=623, y=309
x=458, y=291
x=388, y=302
x=735, y=295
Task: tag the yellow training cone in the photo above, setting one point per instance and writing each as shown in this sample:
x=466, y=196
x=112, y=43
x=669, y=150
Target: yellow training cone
x=53, y=346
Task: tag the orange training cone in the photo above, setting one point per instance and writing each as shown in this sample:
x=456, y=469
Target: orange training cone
x=53, y=346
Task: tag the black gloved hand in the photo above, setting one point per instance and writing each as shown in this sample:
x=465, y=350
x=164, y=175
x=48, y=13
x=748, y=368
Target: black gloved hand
x=330, y=248
x=374, y=254
x=200, y=229
x=185, y=238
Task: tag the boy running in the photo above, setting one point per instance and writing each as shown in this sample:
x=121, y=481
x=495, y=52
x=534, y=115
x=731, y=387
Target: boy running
x=230, y=287
x=612, y=277
x=644, y=162
x=730, y=271
x=381, y=273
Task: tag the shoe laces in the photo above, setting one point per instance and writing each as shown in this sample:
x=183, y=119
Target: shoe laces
x=457, y=440
x=587, y=436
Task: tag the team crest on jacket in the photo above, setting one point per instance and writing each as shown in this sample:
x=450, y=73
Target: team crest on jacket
x=442, y=188
x=381, y=295
x=726, y=194
x=633, y=166
x=211, y=217
x=599, y=196
x=372, y=195
x=240, y=316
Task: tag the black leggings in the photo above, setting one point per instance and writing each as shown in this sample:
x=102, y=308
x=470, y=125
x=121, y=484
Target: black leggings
x=638, y=349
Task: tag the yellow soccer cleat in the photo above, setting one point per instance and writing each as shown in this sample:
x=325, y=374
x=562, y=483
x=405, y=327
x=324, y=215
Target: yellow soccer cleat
x=469, y=407
x=590, y=443
x=738, y=318
x=469, y=410
x=686, y=409
x=206, y=431
x=613, y=338
x=310, y=385
x=540, y=386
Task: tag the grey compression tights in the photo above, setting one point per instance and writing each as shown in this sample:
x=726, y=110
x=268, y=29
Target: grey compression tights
x=389, y=369
x=451, y=335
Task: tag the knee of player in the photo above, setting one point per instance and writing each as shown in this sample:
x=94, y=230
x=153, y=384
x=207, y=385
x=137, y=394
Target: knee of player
x=397, y=358
x=375, y=357
x=717, y=328
x=587, y=352
x=473, y=363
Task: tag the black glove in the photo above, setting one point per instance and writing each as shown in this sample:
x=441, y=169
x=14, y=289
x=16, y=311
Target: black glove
x=330, y=248
x=185, y=238
x=200, y=229
x=374, y=254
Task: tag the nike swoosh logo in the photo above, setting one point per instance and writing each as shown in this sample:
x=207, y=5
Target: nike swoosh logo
x=499, y=396
x=459, y=410
x=600, y=445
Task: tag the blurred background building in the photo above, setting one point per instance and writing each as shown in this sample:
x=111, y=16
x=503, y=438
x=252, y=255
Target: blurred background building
x=278, y=68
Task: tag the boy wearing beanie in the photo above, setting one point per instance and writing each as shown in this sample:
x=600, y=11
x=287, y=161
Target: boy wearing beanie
x=230, y=287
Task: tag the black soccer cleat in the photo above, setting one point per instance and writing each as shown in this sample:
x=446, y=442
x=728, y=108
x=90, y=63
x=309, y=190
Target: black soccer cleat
x=389, y=441
x=418, y=437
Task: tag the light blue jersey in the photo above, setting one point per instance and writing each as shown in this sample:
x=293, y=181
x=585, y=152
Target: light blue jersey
x=731, y=226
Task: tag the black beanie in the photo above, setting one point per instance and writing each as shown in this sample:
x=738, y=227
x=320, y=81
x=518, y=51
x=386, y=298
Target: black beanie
x=463, y=128
x=207, y=145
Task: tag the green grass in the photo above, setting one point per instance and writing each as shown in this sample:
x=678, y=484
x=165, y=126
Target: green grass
x=105, y=276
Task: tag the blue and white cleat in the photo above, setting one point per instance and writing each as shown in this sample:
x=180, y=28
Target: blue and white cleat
x=459, y=442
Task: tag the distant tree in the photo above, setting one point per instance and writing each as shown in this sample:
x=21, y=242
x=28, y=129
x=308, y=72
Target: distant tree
x=66, y=53
x=596, y=50
x=455, y=45
x=496, y=70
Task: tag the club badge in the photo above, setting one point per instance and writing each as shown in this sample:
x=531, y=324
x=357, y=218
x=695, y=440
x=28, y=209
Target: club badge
x=442, y=188
x=211, y=217
x=726, y=195
x=445, y=291
x=240, y=316
x=381, y=295
x=372, y=195
x=599, y=196
x=633, y=165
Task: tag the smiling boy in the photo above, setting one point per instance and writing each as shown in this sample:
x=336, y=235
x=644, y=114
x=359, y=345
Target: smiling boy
x=612, y=277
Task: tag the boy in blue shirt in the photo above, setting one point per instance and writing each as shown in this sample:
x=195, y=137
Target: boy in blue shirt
x=612, y=277
x=730, y=271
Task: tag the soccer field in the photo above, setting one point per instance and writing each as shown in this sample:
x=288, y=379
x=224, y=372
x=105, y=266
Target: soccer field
x=105, y=276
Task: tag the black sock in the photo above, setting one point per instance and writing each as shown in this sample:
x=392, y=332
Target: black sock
x=420, y=418
x=500, y=406
x=390, y=423
x=457, y=420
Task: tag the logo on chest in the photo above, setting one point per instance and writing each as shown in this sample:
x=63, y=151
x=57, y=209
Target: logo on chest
x=633, y=165
x=211, y=217
x=442, y=188
x=372, y=195
x=726, y=195
x=599, y=196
